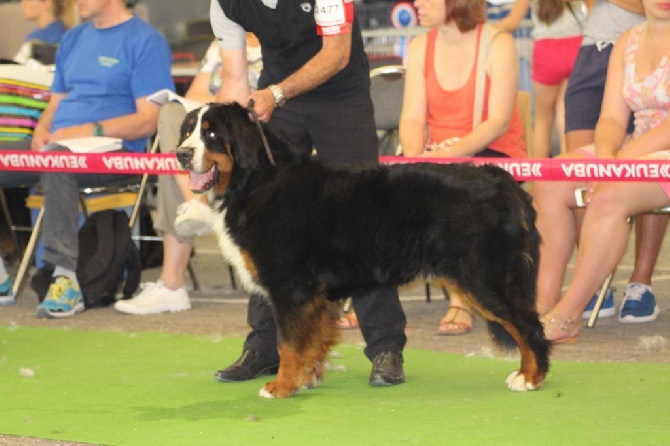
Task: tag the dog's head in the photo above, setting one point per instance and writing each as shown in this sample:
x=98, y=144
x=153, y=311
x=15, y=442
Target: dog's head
x=217, y=139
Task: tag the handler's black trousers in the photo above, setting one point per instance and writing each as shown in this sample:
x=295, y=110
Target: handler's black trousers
x=343, y=131
x=379, y=313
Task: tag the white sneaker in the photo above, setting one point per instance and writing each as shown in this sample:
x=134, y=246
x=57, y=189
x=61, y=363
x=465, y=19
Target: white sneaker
x=155, y=298
x=193, y=218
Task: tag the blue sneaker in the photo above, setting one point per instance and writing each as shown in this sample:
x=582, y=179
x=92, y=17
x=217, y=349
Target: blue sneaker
x=606, y=310
x=63, y=299
x=6, y=294
x=639, y=304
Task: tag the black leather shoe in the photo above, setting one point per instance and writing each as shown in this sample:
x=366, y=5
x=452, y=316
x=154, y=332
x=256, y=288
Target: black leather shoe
x=250, y=365
x=387, y=369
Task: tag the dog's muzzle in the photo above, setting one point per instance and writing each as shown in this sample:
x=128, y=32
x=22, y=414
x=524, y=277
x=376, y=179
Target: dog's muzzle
x=198, y=181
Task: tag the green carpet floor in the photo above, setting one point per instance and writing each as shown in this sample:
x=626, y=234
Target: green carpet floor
x=158, y=389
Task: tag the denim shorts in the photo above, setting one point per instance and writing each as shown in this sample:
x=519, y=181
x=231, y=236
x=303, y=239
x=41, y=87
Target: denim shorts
x=586, y=87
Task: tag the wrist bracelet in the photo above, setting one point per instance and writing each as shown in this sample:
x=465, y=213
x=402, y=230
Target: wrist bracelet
x=278, y=93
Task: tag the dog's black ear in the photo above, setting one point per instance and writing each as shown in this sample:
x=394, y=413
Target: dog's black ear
x=245, y=138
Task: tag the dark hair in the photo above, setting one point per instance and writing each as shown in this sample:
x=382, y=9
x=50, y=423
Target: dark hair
x=467, y=14
x=549, y=10
x=59, y=7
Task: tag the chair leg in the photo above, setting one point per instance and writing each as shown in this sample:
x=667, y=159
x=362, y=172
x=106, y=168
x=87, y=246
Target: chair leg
x=426, y=281
x=231, y=273
x=191, y=273
x=599, y=301
x=10, y=223
x=28, y=254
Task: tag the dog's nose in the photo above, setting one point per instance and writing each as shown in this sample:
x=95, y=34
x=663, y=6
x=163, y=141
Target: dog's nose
x=185, y=156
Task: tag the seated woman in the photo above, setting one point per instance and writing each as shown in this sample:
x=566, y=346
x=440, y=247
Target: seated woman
x=181, y=214
x=638, y=81
x=439, y=117
x=52, y=17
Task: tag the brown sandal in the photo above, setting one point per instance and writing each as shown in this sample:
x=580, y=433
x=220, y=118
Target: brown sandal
x=450, y=327
x=348, y=321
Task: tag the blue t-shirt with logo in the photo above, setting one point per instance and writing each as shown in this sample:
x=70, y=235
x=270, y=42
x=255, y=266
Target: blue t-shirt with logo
x=103, y=71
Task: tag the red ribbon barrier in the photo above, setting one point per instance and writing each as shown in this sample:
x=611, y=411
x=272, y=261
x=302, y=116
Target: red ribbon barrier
x=542, y=169
x=522, y=169
x=120, y=163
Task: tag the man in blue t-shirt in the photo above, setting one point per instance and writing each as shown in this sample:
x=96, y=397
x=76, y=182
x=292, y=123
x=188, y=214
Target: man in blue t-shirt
x=105, y=69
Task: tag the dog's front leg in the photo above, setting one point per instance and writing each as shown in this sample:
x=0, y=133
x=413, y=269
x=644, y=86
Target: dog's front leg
x=307, y=333
x=290, y=368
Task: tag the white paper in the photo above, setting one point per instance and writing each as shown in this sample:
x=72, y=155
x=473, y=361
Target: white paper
x=91, y=144
x=162, y=96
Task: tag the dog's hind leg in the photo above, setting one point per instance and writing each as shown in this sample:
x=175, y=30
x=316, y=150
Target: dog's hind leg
x=514, y=321
x=534, y=349
x=525, y=328
x=307, y=333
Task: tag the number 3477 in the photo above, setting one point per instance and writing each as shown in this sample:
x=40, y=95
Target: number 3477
x=328, y=9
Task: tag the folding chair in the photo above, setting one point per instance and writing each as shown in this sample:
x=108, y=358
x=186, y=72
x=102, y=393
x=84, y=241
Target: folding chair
x=387, y=85
x=116, y=196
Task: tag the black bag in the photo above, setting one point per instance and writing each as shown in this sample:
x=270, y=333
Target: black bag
x=108, y=259
x=151, y=252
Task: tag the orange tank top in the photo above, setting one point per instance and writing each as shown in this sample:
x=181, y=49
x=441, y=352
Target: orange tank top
x=450, y=112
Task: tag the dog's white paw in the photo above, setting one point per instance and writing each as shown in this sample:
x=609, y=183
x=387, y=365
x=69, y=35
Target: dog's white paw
x=264, y=393
x=517, y=382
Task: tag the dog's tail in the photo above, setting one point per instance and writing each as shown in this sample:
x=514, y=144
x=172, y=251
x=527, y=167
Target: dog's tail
x=517, y=227
x=521, y=239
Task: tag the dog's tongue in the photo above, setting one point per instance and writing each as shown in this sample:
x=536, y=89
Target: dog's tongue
x=200, y=181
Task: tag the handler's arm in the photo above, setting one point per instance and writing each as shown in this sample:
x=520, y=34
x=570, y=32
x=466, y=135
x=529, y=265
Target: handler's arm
x=331, y=58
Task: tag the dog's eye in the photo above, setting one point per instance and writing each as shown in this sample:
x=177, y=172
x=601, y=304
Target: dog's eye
x=211, y=135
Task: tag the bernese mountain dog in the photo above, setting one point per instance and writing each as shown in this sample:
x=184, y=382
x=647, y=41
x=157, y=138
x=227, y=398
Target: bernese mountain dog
x=306, y=234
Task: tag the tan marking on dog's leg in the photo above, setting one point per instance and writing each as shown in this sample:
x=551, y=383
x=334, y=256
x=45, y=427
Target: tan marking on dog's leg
x=528, y=376
x=249, y=265
x=306, y=341
x=327, y=335
x=286, y=382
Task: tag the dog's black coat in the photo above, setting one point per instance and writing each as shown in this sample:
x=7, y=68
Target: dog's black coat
x=312, y=229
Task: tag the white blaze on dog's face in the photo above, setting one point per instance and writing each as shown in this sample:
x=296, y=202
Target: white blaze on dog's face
x=194, y=140
x=210, y=169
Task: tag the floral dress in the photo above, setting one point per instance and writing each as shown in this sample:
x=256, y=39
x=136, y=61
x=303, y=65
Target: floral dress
x=647, y=96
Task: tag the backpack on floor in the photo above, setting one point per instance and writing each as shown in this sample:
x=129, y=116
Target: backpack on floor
x=108, y=259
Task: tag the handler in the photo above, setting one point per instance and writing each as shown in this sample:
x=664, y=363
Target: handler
x=315, y=86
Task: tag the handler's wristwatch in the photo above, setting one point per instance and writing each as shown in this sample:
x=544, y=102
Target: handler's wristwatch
x=278, y=93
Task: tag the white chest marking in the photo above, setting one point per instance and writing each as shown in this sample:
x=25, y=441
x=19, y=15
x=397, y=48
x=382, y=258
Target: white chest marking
x=233, y=254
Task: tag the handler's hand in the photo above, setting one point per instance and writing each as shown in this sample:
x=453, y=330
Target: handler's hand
x=264, y=103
